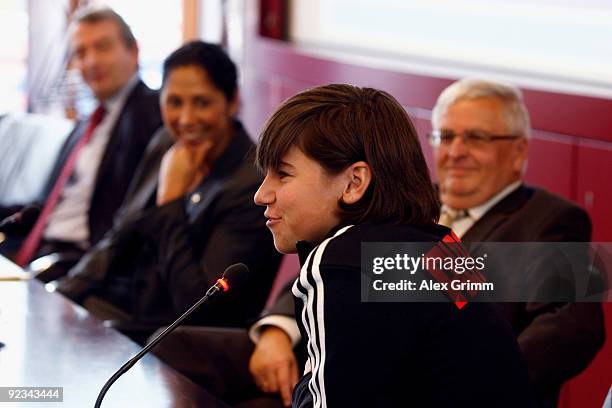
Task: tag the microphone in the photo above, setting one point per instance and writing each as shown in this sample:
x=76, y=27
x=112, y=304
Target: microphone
x=23, y=219
x=233, y=277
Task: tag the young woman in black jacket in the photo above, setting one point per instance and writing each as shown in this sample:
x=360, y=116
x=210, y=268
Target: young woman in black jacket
x=344, y=166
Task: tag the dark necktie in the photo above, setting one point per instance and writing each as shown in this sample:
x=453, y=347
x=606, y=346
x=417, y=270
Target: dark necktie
x=32, y=241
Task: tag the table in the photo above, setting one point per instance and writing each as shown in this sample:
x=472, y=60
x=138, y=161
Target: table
x=52, y=342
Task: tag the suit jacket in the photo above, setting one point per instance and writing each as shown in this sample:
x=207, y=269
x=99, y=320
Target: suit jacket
x=163, y=259
x=558, y=340
x=93, y=266
x=135, y=126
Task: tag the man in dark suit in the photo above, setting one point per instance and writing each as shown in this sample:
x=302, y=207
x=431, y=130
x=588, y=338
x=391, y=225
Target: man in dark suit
x=480, y=139
x=98, y=160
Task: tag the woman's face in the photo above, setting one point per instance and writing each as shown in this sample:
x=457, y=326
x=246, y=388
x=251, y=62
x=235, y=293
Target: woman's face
x=301, y=200
x=194, y=109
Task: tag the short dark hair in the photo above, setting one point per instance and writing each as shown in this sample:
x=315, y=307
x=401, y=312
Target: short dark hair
x=92, y=15
x=338, y=125
x=211, y=58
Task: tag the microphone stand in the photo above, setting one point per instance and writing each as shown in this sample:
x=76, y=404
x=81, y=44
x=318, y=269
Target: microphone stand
x=124, y=368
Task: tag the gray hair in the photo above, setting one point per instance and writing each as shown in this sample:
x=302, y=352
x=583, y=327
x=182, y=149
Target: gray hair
x=515, y=112
x=92, y=15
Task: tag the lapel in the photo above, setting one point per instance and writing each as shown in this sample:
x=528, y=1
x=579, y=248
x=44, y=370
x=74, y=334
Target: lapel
x=238, y=151
x=142, y=192
x=486, y=226
x=117, y=134
x=208, y=191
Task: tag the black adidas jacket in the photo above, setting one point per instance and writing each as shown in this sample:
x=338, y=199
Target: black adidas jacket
x=397, y=354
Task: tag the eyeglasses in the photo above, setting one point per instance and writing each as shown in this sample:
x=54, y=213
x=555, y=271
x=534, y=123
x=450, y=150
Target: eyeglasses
x=471, y=138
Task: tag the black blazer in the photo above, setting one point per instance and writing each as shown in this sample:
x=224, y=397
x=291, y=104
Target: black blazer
x=135, y=126
x=162, y=259
x=94, y=265
x=558, y=340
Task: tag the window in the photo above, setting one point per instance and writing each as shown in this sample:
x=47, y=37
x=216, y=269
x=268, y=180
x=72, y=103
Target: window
x=13, y=55
x=559, y=45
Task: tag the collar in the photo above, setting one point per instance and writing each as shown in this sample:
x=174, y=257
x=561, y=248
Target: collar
x=235, y=152
x=475, y=213
x=238, y=151
x=304, y=248
x=117, y=101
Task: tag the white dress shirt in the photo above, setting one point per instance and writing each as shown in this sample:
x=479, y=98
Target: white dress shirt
x=286, y=324
x=461, y=226
x=69, y=219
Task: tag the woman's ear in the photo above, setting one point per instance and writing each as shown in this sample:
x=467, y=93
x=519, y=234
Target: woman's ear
x=359, y=176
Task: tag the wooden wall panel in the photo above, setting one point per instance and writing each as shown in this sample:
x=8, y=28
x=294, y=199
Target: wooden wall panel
x=594, y=186
x=588, y=389
x=551, y=164
x=575, y=115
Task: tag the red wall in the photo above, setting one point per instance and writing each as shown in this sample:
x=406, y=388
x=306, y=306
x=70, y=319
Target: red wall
x=570, y=153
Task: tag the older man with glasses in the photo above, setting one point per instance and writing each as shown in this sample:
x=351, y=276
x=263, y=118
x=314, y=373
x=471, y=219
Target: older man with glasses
x=480, y=140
